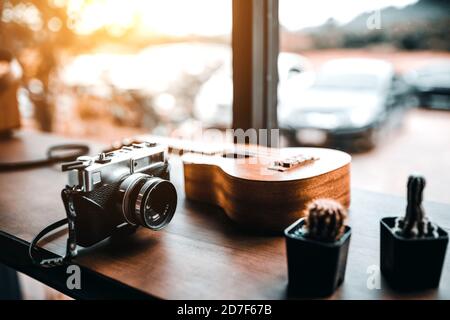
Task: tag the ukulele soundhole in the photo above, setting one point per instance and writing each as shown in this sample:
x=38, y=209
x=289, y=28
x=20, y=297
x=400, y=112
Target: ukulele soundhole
x=236, y=155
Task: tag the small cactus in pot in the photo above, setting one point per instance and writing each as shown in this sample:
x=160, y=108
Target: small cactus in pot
x=317, y=246
x=324, y=220
x=415, y=224
x=412, y=248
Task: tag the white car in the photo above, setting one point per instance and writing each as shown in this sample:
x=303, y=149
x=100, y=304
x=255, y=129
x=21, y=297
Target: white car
x=213, y=104
x=349, y=101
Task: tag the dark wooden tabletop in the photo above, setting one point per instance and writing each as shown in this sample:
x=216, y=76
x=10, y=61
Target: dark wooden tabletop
x=200, y=255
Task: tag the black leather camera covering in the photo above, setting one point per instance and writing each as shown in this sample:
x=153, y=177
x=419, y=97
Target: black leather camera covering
x=96, y=216
x=97, y=212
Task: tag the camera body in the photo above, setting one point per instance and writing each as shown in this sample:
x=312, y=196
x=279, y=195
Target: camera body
x=128, y=186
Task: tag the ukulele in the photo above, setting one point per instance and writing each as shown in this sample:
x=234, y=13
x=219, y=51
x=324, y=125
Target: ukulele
x=263, y=188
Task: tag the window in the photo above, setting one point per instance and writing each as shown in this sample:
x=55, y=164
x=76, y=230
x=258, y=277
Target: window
x=373, y=81
x=367, y=77
x=110, y=69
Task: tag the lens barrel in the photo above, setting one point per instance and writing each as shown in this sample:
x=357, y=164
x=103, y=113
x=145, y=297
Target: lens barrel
x=147, y=201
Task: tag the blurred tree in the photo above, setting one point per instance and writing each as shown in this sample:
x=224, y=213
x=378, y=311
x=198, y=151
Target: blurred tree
x=35, y=31
x=40, y=33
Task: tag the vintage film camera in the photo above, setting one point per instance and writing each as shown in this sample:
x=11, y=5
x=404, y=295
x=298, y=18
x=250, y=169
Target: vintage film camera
x=125, y=187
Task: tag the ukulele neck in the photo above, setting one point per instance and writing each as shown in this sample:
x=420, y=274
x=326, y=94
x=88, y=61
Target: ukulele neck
x=236, y=151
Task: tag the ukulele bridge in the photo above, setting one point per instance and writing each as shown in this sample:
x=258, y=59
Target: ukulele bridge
x=292, y=163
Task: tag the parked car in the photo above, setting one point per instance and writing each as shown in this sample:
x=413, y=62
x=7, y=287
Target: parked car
x=347, y=106
x=213, y=103
x=431, y=84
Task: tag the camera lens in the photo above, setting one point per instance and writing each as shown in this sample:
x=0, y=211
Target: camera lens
x=147, y=201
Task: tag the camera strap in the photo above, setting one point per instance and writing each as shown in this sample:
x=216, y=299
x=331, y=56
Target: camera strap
x=55, y=154
x=71, y=247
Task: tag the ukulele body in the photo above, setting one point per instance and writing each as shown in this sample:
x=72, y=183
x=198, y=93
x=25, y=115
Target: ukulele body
x=255, y=195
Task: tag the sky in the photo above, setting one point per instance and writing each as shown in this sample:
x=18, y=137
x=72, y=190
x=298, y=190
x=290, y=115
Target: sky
x=211, y=17
x=173, y=17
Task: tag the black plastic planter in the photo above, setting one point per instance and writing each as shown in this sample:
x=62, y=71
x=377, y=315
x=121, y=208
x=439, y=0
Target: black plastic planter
x=411, y=264
x=315, y=269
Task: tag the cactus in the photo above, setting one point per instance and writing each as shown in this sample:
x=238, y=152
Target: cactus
x=414, y=223
x=324, y=220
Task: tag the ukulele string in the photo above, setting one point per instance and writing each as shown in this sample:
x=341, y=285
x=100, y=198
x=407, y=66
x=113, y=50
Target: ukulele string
x=236, y=151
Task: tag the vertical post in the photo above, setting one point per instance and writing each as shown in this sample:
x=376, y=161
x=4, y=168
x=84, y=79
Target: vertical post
x=1, y=15
x=255, y=63
x=3, y=39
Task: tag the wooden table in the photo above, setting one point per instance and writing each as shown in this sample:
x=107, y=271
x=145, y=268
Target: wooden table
x=200, y=255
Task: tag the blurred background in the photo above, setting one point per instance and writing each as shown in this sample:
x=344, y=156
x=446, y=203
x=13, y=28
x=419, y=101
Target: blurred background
x=368, y=77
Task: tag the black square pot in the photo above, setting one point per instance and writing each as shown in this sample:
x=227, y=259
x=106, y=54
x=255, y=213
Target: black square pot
x=411, y=264
x=315, y=269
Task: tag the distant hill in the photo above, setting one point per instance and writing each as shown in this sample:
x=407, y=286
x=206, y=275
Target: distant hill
x=424, y=11
x=422, y=25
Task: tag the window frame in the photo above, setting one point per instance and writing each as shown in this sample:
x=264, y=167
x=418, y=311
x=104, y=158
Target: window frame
x=255, y=46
